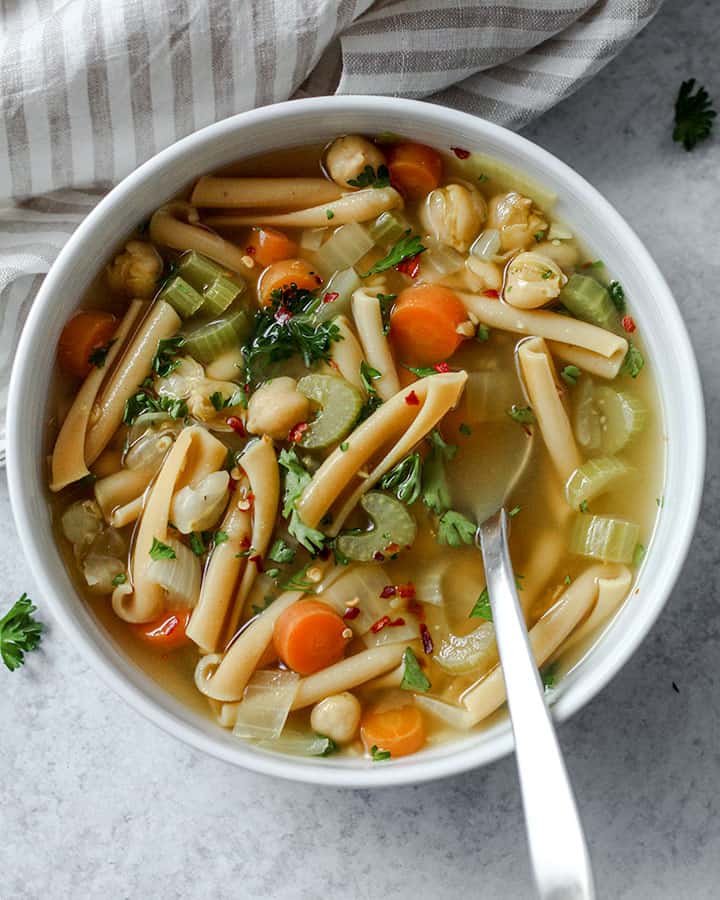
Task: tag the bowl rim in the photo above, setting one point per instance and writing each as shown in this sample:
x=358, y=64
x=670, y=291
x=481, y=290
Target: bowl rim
x=453, y=759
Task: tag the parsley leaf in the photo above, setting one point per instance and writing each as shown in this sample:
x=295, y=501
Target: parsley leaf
x=523, y=415
x=549, y=675
x=413, y=679
x=119, y=579
x=99, y=355
x=368, y=375
x=143, y=402
x=298, y=581
x=617, y=295
x=633, y=362
x=482, y=333
x=370, y=178
x=482, y=608
x=638, y=554
x=19, y=632
x=455, y=529
x=296, y=478
x=164, y=361
x=220, y=537
x=570, y=374
x=386, y=304
x=435, y=487
x=379, y=755
x=197, y=543
x=161, y=551
x=405, y=479
x=693, y=115
x=405, y=248
x=280, y=552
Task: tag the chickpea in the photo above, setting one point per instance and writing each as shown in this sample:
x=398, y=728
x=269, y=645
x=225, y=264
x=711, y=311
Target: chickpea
x=134, y=273
x=454, y=215
x=275, y=407
x=348, y=156
x=532, y=280
x=337, y=717
x=563, y=253
x=516, y=220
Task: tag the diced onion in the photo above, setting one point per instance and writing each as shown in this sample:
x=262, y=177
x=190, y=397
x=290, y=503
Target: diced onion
x=299, y=743
x=364, y=583
x=342, y=283
x=486, y=245
x=180, y=576
x=394, y=634
x=442, y=258
x=429, y=583
x=604, y=537
x=150, y=448
x=558, y=232
x=344, y=248
x=312, y=238
x=264, y=709
x=199, y=508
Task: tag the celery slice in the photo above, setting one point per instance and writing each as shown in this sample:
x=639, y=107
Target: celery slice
x=388, y=228
x=622, y=416
x=604, y=537
x=198, y=270
x=459, y=655
x=183, y=298
x=210, y=341
x=594, y=478
x=586, y=422
x=340, y=404
x=219, y=295
x=343, y=283
x=344, y=248
x=393, y=529
x=588, y=300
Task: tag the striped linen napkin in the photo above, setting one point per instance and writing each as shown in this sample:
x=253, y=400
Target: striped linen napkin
x=92, y=88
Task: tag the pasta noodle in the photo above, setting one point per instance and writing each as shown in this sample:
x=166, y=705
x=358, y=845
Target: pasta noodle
x=347, y=354
x=368, y=318
x=231, y=193
x=178, y=225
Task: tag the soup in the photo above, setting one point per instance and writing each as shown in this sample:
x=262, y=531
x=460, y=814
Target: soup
x=289, y=399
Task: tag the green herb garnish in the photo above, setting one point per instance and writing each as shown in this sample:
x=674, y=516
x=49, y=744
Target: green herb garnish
x=298, y=581
x=197, y=543
x=583, y=506
x=220, y=537
x=515, y=511
x=405, y=479
x=370, y=178
x=523, y=415
x=482, y=608
x=161, y=551
x=694, y=115
x=465, y=429
x=296, y=478
x=413, y=679
x=482, y=333
x=144, y=402
x=99, y=355
x=633, y=362
x=379, y=755
x=386, y=303
x=119, y=579
x=638, y=554
x=549, y=675
x=570, y=374
x=435, y=487
x=406, y=248
x=281, y=552
x=20, y=633
x=617, y=295
x=164, y=361
x=368, y=375
x=455, y=529
x=330, y=214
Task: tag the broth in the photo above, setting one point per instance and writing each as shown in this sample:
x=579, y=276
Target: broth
x=409, y=612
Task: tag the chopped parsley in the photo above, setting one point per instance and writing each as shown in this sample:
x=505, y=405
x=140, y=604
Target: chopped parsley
x=164, y=362
x=386, y=304
x=20, y=633
x=330, y=214
x=515, y=511
x=161, y=551
x=298, y=581
x=220, y=537
x=281, y=552
x=539, y=235
x=119, y=579
x=633, y=362
x=570, y=374
x=548, y=273
x=567, y=580
x=344, y=447
x=638, y=554
x=413, y=679
x=220, y=402
x=435, y=487
x=523, y=415
x=549, y=676
x=455, y=529
x=694, y=115
x=379, y=755
x=144, y=402
x=583, y=506
x=483, y=177
x=406, y=248
x=197, y=543
x=296, y=478
x=482, y=333
x=99, y=355
x=368, y=375
x=482, y=608
x=465, y=429
x=405, y=479
x=370, y=178
x=617, y=295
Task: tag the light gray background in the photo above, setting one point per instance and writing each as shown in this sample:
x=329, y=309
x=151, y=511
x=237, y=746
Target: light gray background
x=97, y=803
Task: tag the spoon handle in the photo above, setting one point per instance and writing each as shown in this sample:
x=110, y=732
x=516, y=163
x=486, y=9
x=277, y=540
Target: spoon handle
x=558, y=852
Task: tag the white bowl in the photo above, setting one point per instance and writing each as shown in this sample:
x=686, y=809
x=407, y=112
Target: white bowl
x=310, y=121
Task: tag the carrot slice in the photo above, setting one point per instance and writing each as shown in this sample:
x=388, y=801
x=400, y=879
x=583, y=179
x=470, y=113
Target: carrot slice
x=268, y=245
x=415, y=169
x=282, y=274
x=400, y=730
x=309, y=636
x=167, y=632
x=423, y=324
x=86, y=332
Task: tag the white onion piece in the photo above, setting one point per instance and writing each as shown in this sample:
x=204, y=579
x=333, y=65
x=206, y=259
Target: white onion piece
x=82, y=522
x=344, y=248
x=150, y=448
x=263, y=711
x=442, y=258
x=429, y=583
x=363, y=583
x=558, y=232
x=312, y=238
x=299, y=743
x=394, y=634
x=198, y=508
x=99, y=572
x=180, y=576
x=486, y=245
x=180, y=382
x=452, y=715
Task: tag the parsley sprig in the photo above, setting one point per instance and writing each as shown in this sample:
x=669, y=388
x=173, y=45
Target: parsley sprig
x=370, y=178
x=19, y=632
x=144, y=401
x=406, y=248
x=296, y=478
x=164, y=362
x=694, y=115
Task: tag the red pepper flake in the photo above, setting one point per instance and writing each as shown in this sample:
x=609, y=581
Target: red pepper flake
x=352, y=612
x=396, y=622
x=427, y=640
x=297, y=431
x=412, y=399
x=318, y=279
x=283, y=314
x=416, y=609
x=236, y=424
x=251, y=251
x=406, y=590
x=388, y=591
x=330, y=297
x=492, y=293
x=324, y=553
x=245, y=542
x=527, y=429
x=378, y=556
x=409, y=266
x=460, y=153
x=628, y=323
x=380, y=624
x=392, y=548
x=441, y=367
x=232, y=484
x=258, y=560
